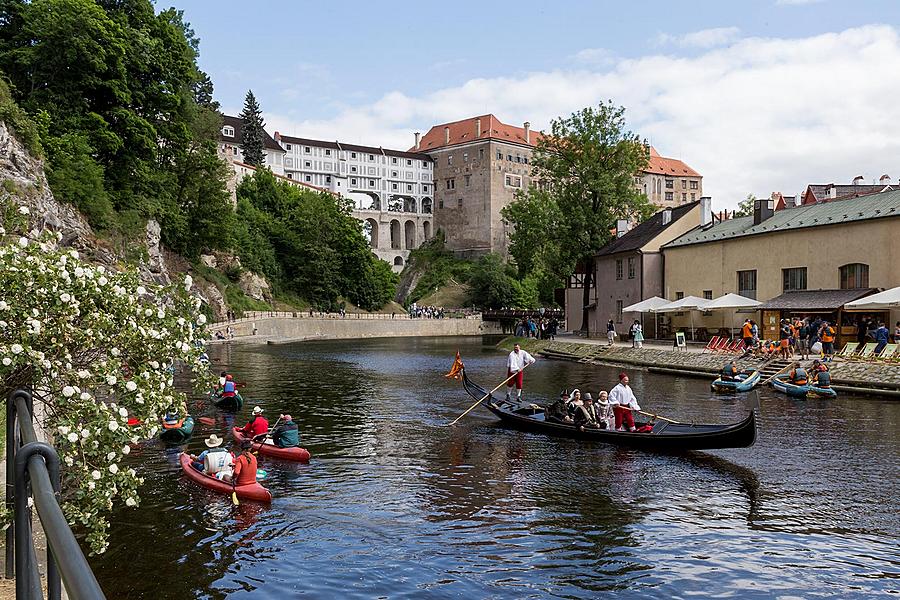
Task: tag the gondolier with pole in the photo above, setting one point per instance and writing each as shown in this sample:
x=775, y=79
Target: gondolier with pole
x=516, y=362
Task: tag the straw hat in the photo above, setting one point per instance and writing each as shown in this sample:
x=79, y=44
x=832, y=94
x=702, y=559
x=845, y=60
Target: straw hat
x=213, y=441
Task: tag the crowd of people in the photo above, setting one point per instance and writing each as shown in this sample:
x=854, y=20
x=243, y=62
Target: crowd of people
x=425, y=312
x=800, y=337
x=541, y=329
x=612, y=410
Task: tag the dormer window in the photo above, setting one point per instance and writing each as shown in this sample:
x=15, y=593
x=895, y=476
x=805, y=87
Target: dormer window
x=228, y=131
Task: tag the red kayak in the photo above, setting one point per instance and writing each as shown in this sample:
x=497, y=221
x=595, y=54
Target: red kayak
x=252, y=491
x=295, y=454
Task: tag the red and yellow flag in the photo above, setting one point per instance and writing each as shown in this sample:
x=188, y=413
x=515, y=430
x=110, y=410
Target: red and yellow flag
x=456, y=369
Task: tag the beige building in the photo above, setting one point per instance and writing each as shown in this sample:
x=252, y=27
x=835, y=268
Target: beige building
x=479, y=166
x=850, y=244
x=669, y=182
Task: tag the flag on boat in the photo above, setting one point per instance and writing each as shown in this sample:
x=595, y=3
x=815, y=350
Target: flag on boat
x=456, y=369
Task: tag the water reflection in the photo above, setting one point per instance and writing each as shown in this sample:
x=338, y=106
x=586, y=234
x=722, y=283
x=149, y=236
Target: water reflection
x=396, y=504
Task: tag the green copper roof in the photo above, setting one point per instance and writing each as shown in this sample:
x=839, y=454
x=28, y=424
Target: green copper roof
x=872, y=206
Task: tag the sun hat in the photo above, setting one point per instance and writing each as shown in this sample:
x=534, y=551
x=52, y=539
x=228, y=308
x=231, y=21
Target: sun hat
x=213, y=441
x=257, y=410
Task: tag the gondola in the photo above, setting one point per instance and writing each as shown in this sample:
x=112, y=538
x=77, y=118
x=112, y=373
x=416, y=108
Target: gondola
x=737, y=385
x=665, y=435
x=802, y=391
x=295, y=454
x=231, y=403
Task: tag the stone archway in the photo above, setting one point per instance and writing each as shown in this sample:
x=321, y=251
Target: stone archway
x=409, y=237
x=398, y=261
x=426, y=231
x=409, y=205
x=363, y=200
x=395, y=234
x=426, y=206
x=370, y=230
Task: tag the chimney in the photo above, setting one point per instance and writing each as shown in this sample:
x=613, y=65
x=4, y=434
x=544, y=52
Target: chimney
x=859, y=180
x=478, y=127
x=417, y=134
x=446, y=135
x=277, y=137
x=705, y=210
x=527, y=132
x=667, y=216
x=763, y=208
x=621, y=227
x=885, y=179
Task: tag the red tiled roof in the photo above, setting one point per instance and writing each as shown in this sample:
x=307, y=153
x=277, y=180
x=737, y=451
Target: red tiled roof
x=673, y=167
x=466, y=130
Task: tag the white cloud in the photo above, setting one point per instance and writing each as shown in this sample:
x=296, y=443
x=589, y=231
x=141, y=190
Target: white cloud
x=595, y=57
x=705, y=38
x=757, y=116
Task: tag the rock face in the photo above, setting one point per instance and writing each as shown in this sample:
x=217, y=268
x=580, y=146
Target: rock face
x=255, y=286
x=154, y=268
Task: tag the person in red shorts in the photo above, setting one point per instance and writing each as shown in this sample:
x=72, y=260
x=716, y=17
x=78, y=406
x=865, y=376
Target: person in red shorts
x=623, y=402
x=516, y=362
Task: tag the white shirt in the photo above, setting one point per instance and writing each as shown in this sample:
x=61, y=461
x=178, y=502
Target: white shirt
x=517, y=361
x=623, y=396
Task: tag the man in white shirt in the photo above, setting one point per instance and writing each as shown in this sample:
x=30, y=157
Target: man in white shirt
x=515, y=364
x=623, y=401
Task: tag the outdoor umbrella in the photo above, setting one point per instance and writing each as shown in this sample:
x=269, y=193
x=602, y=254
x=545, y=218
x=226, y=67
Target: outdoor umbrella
x=648, y=305
x=885, y=300
x=690, y=303
x=733, y=302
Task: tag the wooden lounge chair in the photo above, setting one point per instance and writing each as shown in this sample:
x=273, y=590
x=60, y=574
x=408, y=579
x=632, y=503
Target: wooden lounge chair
x=848, y=350
x=734, y=346
x=887, y=354
x=722, y=345
x=711, y=346
x=865, y=353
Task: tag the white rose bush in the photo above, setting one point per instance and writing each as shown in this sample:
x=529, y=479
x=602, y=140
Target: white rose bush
x=98, y=348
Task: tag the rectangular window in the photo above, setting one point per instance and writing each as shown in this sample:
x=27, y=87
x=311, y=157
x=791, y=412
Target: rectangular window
x=353, y=181
x=371, y=157
x=394, y=160
x=670, y=196
x=694, y=185
x=287, y=147
x=424, y=164
x=468, y=180
x=707, y=294
x=794, y=279
x=228, y=131
x=679, y=295
x=394, y=187
x=449, y=159
x=353, y=169
x=693, y=197
x=481, y=154
x=451, y=184
x=327, y=151
x=328, y=179
x=353, y=155
x=509, y=157
x=499, y=156
x=618, y=311
x=307, y=163
x=290, y=176
x=684, y=197
x=684, y=184
x=371, y=183
x=440, y=204
x=518, y=158
x=408, y=187
x=670, y=184
x=619, y=268
x=746, y=284
x=525, y=160
x=395, y=174
x=459, y=203
x=631, y=265
x=425, y=187
x=465, y=157
x=307, y=149
x=513, y=181
x=308, y=178
x=854, y=276
x=408, y=162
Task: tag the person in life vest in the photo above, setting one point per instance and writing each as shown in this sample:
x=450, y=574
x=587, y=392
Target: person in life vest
x=827, y=339
x=623, y=402
x=287, y=434
x=798, y=375
x=257, y=425
x=229, y=389
x=820, y=375
x=729, y=371
x=244, y=471
x=747, y=334
x=214, y=459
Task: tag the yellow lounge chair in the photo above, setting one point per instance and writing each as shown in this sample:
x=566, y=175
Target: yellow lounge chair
x=848, y=350
x=866, y=353
x=887, y=354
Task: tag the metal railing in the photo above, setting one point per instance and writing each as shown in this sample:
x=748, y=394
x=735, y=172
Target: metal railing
x=275, y=314
x=32, y=473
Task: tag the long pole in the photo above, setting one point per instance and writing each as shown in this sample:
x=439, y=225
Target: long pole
x=488, y=395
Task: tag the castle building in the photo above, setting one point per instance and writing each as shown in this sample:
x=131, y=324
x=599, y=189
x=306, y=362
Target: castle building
x=231, y=145
x=669, y=182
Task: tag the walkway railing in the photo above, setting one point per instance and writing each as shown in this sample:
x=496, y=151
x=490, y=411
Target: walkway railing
x=275, y=314
x=32, y=473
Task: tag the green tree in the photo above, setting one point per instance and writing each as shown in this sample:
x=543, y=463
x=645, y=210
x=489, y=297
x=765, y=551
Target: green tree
x=490, y=284
x=745, y=207
x=252, y=132
x=586, y=167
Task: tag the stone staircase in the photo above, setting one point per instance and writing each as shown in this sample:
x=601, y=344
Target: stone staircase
x=771, y=368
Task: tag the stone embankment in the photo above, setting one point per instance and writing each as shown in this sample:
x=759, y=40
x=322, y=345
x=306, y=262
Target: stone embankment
x=854, y=376
x=294, y=327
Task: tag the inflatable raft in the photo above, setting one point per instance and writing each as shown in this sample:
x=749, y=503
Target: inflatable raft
x=801, y=391
x=743, y=383
x=253, y=491
x=295, y=454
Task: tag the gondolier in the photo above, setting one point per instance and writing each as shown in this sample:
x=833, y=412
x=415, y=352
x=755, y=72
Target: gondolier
x=516, y=362
x=623, y=402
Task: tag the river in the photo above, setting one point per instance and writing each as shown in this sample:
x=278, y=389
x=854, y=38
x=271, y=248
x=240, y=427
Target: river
x=394, y=504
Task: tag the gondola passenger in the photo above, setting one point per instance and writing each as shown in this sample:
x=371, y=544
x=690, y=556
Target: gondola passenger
x=558, y=412
x=605, y=417
x=586, y=414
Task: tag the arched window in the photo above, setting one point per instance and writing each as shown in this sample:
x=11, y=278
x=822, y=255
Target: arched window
x=398, y=261
x=854, y=275
x=395, y=234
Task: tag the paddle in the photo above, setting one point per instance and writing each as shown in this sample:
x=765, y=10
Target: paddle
x=651, y=415
x=488, y=395
x=267, y=434
x=777, y=374
x=234, y=498
x=206, y=420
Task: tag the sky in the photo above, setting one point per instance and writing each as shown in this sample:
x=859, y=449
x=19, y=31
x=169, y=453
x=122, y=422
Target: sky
x=758, y=96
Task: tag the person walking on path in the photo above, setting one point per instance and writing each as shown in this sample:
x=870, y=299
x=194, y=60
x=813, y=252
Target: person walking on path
x=881, y=338
x=611, y=332
x=516, y=362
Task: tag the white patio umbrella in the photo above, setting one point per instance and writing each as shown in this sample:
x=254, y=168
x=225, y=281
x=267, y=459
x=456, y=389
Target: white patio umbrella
x=645, y=306
x=731, y=302
x=885, y=300
x=689, y=303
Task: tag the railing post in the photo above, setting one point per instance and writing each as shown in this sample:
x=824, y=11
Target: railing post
x=28, y=582
x=11, y=444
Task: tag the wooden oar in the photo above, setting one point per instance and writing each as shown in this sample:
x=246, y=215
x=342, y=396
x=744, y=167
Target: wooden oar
x=206, y=420
x=658, y=417
x=488, y=395
x=776, y=374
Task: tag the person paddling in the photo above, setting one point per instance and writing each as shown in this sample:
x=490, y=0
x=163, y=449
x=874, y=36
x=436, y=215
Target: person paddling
x=257, y=425
x=214, y=459
x=229, y=390
x=798, y=375
x=223, y=377
x=286, y=435
x=516, y=362
x=623, y=402
x=244, y=472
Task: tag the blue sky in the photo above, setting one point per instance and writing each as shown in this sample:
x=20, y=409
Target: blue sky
x=690, y=73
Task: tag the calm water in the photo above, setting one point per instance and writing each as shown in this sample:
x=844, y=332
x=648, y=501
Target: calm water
x=396, y=505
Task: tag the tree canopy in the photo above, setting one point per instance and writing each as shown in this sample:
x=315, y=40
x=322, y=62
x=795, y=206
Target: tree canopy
x=583, y=181
x=745, y=207
x=253, y=132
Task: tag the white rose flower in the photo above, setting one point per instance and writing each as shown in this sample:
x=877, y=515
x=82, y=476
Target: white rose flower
x=114, y=351
x=84, y=374
x=23, y=242
x=91, y=485
x=111, y=380
x=16, y=348
x=154, y=364
x=79, y=272
x=7, y=361
x=70, y=461
x=148, y=312
x=96, y=474
x=65, y=297
x=3, y=305
x=85, y=396
x=102, y=281
x=181, y=321
x=85, y=433
x=131, y=386
x=68, y=391
x=123, y=412
x=72, y=437
x=160, y=314
x=64, y=429
x=113, y=425
x=23, y=210
x=130, y=502
x=110, y=456
x=201, y=319
x=141, y=290
x=114, y=468
x=126, y=449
